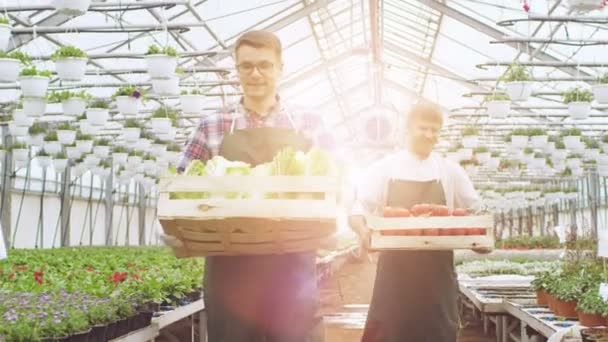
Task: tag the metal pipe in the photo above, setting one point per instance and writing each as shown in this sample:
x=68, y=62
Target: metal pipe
x=551, y=64
x=569, y=42
x=556, y=18
x=542, y=79
x=183, y=27
x=103, y=6
x=119, y=84
x=141, y=55
x=598, y=107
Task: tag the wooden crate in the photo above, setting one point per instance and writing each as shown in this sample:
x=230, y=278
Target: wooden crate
x=222, y=226
x=405, y=242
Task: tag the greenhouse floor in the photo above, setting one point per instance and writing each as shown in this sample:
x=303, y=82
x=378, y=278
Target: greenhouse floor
x=346, y=296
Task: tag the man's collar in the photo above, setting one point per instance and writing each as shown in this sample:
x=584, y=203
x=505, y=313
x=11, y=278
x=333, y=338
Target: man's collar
x=273, y=110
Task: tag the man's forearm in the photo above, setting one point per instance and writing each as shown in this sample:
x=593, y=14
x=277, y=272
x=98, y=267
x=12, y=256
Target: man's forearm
x=357, y=223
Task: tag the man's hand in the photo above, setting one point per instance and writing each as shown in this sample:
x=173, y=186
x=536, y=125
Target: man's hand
x=358, y=224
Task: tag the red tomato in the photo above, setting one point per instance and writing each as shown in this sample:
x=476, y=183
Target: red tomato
x=431, y=232
x=458, y=231
x=401, y=212
x=439, y=210
x=388, y=212
x=460, y=212
x=421, y=209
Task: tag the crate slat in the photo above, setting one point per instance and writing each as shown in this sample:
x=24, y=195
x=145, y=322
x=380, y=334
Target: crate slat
x=384, y=242
x=249, y=183
x=444, y=222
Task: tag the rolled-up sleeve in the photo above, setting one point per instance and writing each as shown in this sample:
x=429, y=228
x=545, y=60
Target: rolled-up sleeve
x=465, y=195
x=196, y=148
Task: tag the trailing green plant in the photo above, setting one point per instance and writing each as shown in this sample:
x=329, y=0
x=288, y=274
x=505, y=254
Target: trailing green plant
x=590, y=143
x=516, y=73
x=528, y=150
x=130, y=90
x=468, y=162
x=539, y=155
x=61, y=155
x=603, y=79
x=495, y=154
x=571, y=132
x=574, y=156
x=481, y=149
x=156, y=50
x=6, y=118
x=560, y=145
x=496, y=97
x=132, y=123
x=146, y=135
x=80, y=136
x=104, y=163
x=21, y=56
x=65, y=126
x=32, y=71
x=18, y=146
x=174, y=148
x=194, y=91
x=577, y=95
x=61, y=96
x=120, y=149
x=43, y=153
x=100, y=104
x=135, y=153
x=507, y=164
x=4, y=20
x=51, y=136
x=68, y=51
x=536, y=132
x=149, y=157
x=102, y=142
x=166, y=112
x=36, y=129
x=470, y=131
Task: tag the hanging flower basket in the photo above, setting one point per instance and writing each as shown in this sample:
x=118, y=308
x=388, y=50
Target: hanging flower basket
x=143, y=144
x=73, y=152
x=71, y=68
x=20, y=119
x=60, y=164
x=17, y=131
x=128, y=105
x=66, y=137
x=72, y=8
x=539, y=141
x=84, y=146
x=9, y=69
x=91, y=160
x=465, y=153
x=35, y=140
x=44, y=161
x=160, y=65
x=97, y=116
x=169, y=136
x=166, y=87
x=33, y=82
x=52, y=147
x=5, y=35
x=493, y=163
x=74, y=106
x=470, y=141
x=600, y=93
x=34, y=106
x=519, y=91
x=120, y=158
x=192, y=103
x=134, y=161
x=579, y=110
x=483, y=157
x=572, y=141
x=101, y=151
x=161, y=125
x=573, y=163
x=158, y=150
x=519, y=141
x=87, y=128
x=131, y=134
x=592, y=154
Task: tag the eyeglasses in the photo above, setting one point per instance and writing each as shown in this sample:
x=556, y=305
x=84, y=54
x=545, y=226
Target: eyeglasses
x=264, y=68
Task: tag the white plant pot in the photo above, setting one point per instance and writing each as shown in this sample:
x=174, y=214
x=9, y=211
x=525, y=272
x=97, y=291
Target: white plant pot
x=549, y=147
x=74, y=106
x=577, y=173
x=21, y=154
x=592, y=154
x=519, y=91
x=158, y=150
x=5, y=35
x=539, y=141
x=493, y=163
x=128, y=105
x=34, y=86
x=572, y=141
x=97, y=116
x=602, y=159
x=169, y=136
x=600, y=93
x=143, y=144
x=84, y=146
x=60, y=164
x=73, y=152
x=34, y=106
x=9, y=69
x=192, y=104
x=131, y=134
x=120, y=158
x=66, y=137
x=88, y=129
x=482, y=157
x=579, y=110
x=465, y=153
x=573, y=163
x=173, y=157
x=43, y=162
x=603, y=172
x=584, y=5
x=471, y=141
x=578, y=148
x=498, y=109
x=166, y=87
x=161, y=125
x=20, y=119
x=161, y=66
x=52, y=147
x=101, y=151
x=538, y=163
x=471, y=170
x=91, y=160
x=528, y=158
x=17, y=131
x=35, y=140
x=134, y=161
x=71, y=69
x=453, y=156
x=519, y=141
x=72, y=7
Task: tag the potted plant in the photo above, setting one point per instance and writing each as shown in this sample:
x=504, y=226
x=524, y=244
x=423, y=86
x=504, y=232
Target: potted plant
x=87, y=128
x=44, y=158
x=34, y=107
x=481, y=154
x=498, y=105
x=574, y=161
x=33, y=82
x=119, y=155
x=493, y=161
x=70, y=63
x=72, y=8
x=163, y=118
x=128, y=99
x=135, y=158
x=11, y=64
x=66, y=134
x=538, y=161
x=102, y=148
x=36, y=134
x=60, y=161
x=98, y=113
x=158, y=148
x=72, y=103
x=538, y=137
x=20, y=152
x=17, y=131
x=571, y=138
x=169, y=136
x=470, y=166
x=51, y=143
x=73, y=152
x=579, y=102
x=600, y=90
x=508, y=165
x=144, y=141
x=592, y=148
x=470, y=137
x=5, y=32
x=20, y=119
x=131, y=130
x=518, y=82
x=149, y=162
x=192, y=102
x=166, y=86
x=91, y=160
x=161, y=62
x=84, y=142
x=173, y=152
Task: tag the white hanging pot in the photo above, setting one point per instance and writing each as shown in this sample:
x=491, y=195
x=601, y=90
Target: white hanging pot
x=9, y=69
x=572, y=141
x=600, y=93
x=169, y=136
x=21, y=154
x=35, y=140
x=519, y=141
x=101, y=151
x=493, y=163
x=584, y=5
x=34, y=86
x=134, y=161
x=34, y=106
x=549, y=147
x=519, y=91
x=143, y=144
x=52, y=147
x=158, y=150
x=577, y=173
x=71, y=69
x=573, y=163
x=60, y=164
x=166, y=87
x=465, y=153
x=66, y=137
x=17, y=131
x=538, y=163
x=470, y=141
x=120, y=158
x=161, y=125
x=578, y=148
x=5, y=35
x=20, y=119
x=44, y=161
x=592, y=154
x=482, y=157
x=88, y=129
x=91, y=160
x=97, y=116
x=192, y=104
x=579, y=110
x=73, y=152
x=131, y=134
x=539, y=141
x=128, y=105
x=498, y=109
x=602, y=159
x=74, y=106
x=84, y=146
x=72, y=8
x=161, y=66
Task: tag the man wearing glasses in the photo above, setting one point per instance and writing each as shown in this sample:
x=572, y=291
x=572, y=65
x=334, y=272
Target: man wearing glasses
x=270, y=298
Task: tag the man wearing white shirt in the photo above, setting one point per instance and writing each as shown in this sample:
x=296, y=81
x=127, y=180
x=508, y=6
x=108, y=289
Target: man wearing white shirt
x=415, y=292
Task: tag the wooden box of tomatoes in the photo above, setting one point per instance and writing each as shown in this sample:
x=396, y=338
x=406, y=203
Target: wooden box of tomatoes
x=430, y=227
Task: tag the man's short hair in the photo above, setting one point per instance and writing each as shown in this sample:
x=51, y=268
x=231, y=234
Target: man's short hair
x=424, y=111
x=260, y=39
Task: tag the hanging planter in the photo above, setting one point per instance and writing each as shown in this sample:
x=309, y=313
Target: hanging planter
x=34, y=83
x=84, y=143
x=120, y=155
x=166, y=86
x=161, y=62
x=44, y=159
x=169, y=136
x=98, y=113
x=66, y=134
x=493, y=162
x=73, y=152
x=173, y=153
x=579, y=103
x=192, y=102
x=91, y=160
x=538, y=162
x=582, y=6
x=5, y=32
x=528, y=156
x=72, y=103
x=519, y=138
x=20, y=152
x=143, y=144
x=549, y=147
x=465, y=153
x=163, y=118
x=574, y=161
x=538, y=138
x=34, y=106
x=72, y=8
x=20, y=119
x=51, y=143
x=131, y=131
x=470, y=166
x=70, y=63
x=135, y=159
x=158, y=148
x=87, y=129
x=498, y=105
x=518, y=82
x=17, y=131
x=102, y=148
x=60, y=161
x=11, y=64
x=572, y=138
x=600, y=91
x=36, y=135
x=128, y=100
x=481, y=154
x=470, y=137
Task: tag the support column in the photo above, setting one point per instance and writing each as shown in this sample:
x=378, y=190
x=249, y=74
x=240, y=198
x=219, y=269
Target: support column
x=520, y=219
x=593, y=201
x=109, y=206
x=65, y=211
x=142, y=214
x=7, y=185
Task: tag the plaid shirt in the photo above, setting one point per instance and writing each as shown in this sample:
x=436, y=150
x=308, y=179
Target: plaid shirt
x=204, y=144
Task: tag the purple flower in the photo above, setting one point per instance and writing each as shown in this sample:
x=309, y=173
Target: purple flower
x=136, y=94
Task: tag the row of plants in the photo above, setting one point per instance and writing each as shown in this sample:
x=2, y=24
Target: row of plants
x=51, y=294
x=525, y=267
x=544, y=242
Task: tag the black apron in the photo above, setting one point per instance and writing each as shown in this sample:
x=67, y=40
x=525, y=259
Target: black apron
x=415, y=292
x=260, y=298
